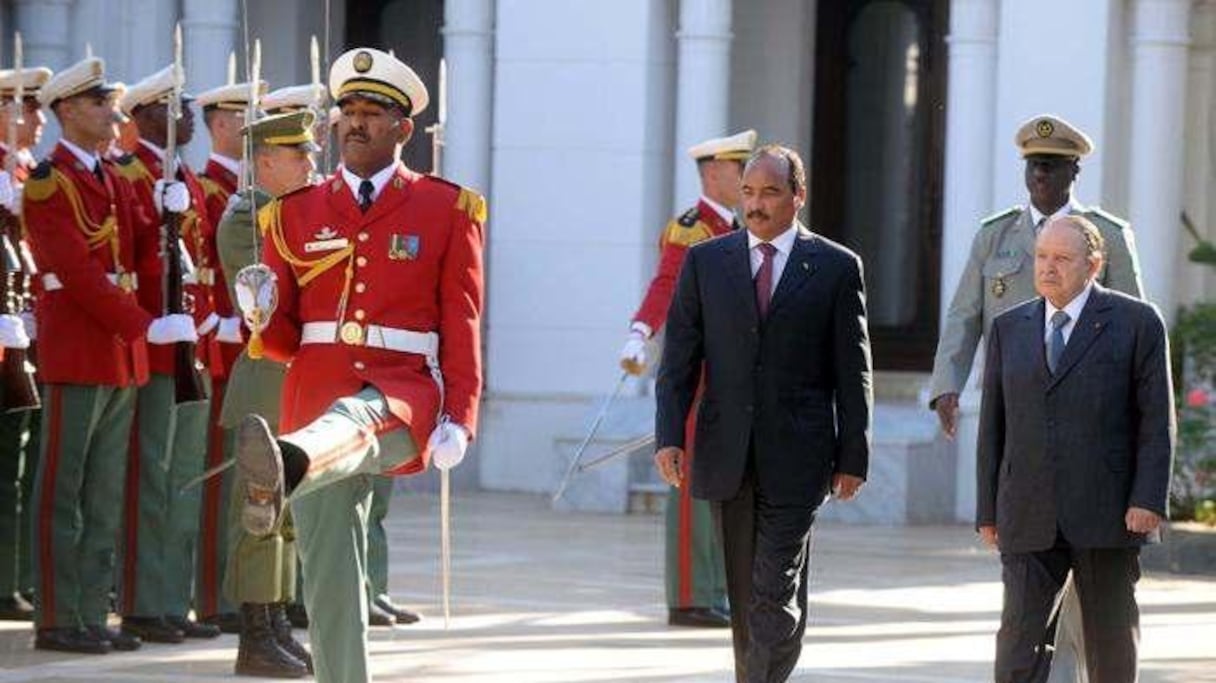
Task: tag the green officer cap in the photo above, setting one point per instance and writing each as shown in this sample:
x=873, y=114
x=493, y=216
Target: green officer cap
x=293, y=129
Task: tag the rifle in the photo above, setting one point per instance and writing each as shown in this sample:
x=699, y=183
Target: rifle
x=16, y=372
x=187, y=380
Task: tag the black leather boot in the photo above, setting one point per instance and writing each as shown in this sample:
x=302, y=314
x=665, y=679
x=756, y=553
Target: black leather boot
x=259, y=653
x=282, y=633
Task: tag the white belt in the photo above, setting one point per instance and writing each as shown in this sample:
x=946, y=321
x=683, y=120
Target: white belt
x=376, y=336
x=425, y=344
x=127, y=281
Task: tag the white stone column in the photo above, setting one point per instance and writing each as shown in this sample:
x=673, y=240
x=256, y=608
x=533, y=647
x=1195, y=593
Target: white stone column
x=45, y=27
x=209, y=33
x=1160, y=38
x=703, y=85
x=468, y=50
x=1200, y=169
x=970, y=122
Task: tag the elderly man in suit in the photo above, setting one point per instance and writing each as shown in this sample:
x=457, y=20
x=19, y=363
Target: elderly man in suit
x=776, y=316
x=1075, y=448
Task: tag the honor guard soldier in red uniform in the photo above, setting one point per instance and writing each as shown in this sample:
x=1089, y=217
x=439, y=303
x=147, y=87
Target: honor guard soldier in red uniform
x=378, y=273
x=694, y=568
x=170, y=446
x=81, y=220
x=18, y=428
x=224, y=115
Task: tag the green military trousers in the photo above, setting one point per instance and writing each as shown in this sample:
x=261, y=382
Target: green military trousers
x=330, y=508
x=695, y=568
x=216, y=527
x=75, y=510
x=18, y=463
x=377, y=539
x=161, y=521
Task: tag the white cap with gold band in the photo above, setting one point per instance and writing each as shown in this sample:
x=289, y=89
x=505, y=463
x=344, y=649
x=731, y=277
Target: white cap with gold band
x=32, y=79
x=379, y=76
x=87, y=75
x=737, y=147
x=152, y=89
x=233, y=96
x=292, y=98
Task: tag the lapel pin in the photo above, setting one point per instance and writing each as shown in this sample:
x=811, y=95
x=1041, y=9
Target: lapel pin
x=806, y=266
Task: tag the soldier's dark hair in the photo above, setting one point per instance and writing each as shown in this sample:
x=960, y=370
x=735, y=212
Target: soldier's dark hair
x=793, y=163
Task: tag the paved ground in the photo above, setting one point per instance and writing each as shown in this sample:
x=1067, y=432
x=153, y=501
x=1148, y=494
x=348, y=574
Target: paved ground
x=544, y=597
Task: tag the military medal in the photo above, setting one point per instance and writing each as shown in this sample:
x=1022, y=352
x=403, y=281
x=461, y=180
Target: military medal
x=998, y=287
x=403, y=247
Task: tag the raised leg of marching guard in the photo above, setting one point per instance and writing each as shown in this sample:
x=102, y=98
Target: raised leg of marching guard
x=382, y=611
x=86, y=235
x=169, y=444
x=343, y=452
x=371, y=287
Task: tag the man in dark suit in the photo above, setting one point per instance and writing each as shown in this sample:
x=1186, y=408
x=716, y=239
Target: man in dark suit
x=776, y=314
x=1075, y=448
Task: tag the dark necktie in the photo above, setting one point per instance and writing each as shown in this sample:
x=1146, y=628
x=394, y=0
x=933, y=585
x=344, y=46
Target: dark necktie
x=365, y=195
x=97, y=172
x=764, y=278
x=1055, y=345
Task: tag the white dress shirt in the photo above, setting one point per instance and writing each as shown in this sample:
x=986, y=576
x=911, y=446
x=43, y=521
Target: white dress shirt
x=784, y=244
x=726, y=214
x=1071, y=206
x=89, y=159
x=379, y=180
x=1072, y=308
x=233, y=165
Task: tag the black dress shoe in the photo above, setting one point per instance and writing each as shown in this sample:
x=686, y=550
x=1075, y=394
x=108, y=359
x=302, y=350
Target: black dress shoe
x=227, y=622
x=118, y=640
x=378, y=617
x=297, y=615
x=697, y=617
x=193, y=629
x=70, y=640
x=15, y=608
x=152, y=629
x=401, y=614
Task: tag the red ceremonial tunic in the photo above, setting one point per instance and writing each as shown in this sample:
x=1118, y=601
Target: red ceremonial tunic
x=695, y=225
x=415, y=263
x=91, y=331
x=143, y=168
x=219, y=184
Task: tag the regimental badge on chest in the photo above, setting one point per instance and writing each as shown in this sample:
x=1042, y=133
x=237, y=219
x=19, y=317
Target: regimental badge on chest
x=326, y=239
x=403, y=247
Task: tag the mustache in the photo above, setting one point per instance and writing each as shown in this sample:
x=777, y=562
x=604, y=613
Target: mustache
x=757, y=213
x=356, y=135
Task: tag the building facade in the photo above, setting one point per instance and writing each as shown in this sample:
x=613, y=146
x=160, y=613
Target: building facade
x=572, y=116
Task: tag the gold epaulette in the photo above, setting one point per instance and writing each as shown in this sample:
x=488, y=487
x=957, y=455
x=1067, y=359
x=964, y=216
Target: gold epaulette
x=687, y=230
x=132, y=168
x=269, y=212
x=210, y=187
x=473, y=204
x=41, y=184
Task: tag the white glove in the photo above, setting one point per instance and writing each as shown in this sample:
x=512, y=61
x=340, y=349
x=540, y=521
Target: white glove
x=31, y=324
x=208, y=325
x=447, y=444
x=7, y=196
x=633, y=354
x=12, y=333
x=172, y=196
x=170, y=329
x=230, y=331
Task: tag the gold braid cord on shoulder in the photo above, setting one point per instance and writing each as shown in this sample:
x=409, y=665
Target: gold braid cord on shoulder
x=95, y=235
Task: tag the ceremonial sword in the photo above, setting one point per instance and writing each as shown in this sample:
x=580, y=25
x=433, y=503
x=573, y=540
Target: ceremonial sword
x=595, y=426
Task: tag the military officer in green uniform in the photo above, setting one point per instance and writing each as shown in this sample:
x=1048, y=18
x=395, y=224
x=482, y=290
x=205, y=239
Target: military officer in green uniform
x=261, y=570
x=1000, y=274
